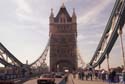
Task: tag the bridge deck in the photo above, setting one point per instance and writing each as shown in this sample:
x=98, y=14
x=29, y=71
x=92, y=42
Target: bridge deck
x=88, y=82
x=34, y=81
x=71, y=80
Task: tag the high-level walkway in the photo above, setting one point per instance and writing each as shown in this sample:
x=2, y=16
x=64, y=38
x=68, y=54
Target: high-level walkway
x=72, y=80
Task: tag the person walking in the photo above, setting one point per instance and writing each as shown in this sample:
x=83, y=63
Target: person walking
x=113, y=76
x=90, y=74
x=96, y=74
x=79, y=76
x=123, y=76
x=109, y=78
x=86, y=74
x=82, y=75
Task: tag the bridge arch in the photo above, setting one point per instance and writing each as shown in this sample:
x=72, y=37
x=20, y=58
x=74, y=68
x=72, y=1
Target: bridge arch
x=62, y=65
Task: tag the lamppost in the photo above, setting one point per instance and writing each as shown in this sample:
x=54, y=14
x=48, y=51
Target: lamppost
x=122, y=47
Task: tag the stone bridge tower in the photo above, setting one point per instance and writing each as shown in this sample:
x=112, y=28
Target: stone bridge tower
x=63, y=40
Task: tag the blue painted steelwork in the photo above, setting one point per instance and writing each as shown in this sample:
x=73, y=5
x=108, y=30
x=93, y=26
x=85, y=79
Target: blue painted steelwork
x=119, y=10
x=42, y=56
x=9, y=55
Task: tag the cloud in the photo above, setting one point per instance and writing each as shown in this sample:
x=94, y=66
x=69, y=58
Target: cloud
x=82, y=37
x=23, y=7
x=24, y=11
x=91, y=15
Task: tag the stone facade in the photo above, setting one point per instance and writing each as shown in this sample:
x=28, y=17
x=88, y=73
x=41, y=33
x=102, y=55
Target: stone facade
x=63, y=41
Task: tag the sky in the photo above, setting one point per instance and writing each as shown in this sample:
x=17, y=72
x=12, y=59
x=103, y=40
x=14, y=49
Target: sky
x=24, y=27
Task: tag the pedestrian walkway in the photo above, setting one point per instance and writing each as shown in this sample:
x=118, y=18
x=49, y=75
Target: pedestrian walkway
x=76, y=81
x=72, y=80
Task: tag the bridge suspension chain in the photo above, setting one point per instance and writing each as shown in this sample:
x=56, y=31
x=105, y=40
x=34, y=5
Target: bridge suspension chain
x=7, y=59
x=41, y=60
x=110, y=34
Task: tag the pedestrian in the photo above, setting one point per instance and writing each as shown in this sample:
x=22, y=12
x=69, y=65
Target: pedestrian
x=90, y=74
x=103, y=75
x=79, y=75
x=113, y=76
x=109, y=77
x=74, y=74
x=96, y=74
x=82, y=75
x=86, y=74
x=123, y=75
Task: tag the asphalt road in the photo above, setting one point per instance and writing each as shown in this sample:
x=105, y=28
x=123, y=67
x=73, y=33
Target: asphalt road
x=31, y=81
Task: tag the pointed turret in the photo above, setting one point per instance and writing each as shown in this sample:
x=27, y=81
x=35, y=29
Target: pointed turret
x=74, y=16
x=63, y=6
x=51, y=18
x=63, y=16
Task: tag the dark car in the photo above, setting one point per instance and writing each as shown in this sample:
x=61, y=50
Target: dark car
x=59, y=74
x=46, y=79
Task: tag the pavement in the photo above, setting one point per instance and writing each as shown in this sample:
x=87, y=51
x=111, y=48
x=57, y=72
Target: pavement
x=23, y=80
x=88, y=82
x=31, y=81
x=72, y=80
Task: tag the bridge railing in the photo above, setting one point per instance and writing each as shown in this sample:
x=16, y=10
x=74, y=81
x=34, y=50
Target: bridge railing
x=11, y=77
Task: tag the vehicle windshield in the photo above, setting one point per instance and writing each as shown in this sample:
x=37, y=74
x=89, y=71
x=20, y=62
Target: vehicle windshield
x=47, y=76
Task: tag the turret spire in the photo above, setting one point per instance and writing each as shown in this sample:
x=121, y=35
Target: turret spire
x=51, y=18
x=63, y=1
x=74, y=14
x=52, y=15
x=63, y=6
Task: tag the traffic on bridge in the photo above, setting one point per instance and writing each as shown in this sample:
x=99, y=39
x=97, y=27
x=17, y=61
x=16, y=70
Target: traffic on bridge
x=67, y=56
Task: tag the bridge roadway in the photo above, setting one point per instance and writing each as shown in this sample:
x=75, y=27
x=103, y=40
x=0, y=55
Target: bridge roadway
x=34, y=81
x=71, y=80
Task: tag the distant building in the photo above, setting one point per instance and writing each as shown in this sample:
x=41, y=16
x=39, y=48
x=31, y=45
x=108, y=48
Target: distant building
x=63, y=40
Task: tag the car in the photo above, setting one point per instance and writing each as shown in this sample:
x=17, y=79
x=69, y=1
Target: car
x=59, y=74
x=46, y=79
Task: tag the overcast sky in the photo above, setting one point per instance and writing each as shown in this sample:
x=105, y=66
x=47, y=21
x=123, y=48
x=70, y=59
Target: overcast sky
x=24, y=26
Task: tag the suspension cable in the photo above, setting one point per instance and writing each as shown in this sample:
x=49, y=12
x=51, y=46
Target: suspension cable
x=43, y=54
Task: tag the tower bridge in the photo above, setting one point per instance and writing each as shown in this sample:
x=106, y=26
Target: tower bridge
x=63, y=39
x=62, y=45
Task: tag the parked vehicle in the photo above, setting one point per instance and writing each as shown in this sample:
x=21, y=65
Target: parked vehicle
x=59, y=74
x=46, y=79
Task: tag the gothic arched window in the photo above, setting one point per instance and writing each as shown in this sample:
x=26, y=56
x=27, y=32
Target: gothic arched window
x=62, y=19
